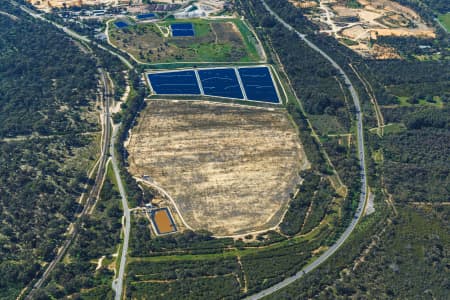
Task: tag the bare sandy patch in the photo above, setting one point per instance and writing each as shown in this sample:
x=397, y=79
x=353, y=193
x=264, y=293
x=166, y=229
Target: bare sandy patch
x=358, y=27
x=230, y=169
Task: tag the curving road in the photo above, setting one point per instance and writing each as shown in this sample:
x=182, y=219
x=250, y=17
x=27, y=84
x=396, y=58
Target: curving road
x=362, y=162
x=117, y=284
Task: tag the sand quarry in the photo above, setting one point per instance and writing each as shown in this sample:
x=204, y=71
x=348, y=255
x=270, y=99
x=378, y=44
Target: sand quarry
x=229, y=168
x=210, y=6
x=359, y=26
x=48, y=4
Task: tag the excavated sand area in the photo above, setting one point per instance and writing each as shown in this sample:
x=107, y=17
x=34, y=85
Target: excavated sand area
x=229, y=168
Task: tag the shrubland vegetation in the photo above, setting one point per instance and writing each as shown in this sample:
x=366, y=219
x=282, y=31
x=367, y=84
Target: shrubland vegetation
x=429, y=8
x=213, y=287
x=444, y=19
x=406, y=260
x=227, y=40
x=127, y=117
x=48, y=137
x=171, y=271
x=294, y=219
x=142, y=244
x=413, y=79
x=80, y=274
x=415, y=159
x=115, y=69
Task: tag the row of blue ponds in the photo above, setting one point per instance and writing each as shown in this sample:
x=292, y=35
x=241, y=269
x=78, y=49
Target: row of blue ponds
x=222, y=82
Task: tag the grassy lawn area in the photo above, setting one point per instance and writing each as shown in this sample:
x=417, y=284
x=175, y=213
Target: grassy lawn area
x=377, y=156
x=326, y=124
x=391, y=128
x=227, y=40
x=348, y=42
x=405, y=101
x=445, y=20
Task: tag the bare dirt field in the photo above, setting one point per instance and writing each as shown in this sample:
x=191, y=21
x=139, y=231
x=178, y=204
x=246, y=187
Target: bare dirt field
x=229, y=168
x=48, y=4
x=303, y=3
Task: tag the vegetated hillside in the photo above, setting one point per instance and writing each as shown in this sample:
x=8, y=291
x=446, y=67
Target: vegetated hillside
x=399, y=252
x=48, y=129
x=414, y=151
x=87, y=269
x=426, y=7
x=403, y=258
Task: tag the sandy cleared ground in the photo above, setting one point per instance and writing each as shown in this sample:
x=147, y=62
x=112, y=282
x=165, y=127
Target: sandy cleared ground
x=47, y=4
x=229, y=168
x=303, y=3
x=359, y=26
x=207, y=5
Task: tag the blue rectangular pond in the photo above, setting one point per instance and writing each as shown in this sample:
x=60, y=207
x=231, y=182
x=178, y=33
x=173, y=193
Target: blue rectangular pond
x=221, y=82
x=258, y=84
x=182, y=26
x=121, y=24
x=182, y=29
x=146, y=16
x=175, y=83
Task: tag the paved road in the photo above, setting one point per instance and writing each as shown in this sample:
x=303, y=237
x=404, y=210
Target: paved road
x=360, y=138
x=117, y=284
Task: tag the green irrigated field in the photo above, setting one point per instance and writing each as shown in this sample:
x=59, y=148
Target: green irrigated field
x=445, y=20
x=228, y=40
